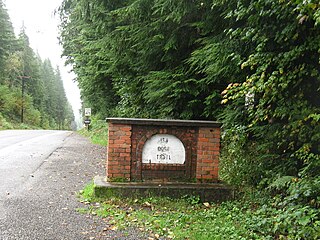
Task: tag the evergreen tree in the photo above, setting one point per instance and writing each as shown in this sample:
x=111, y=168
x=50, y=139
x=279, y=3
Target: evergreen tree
x=31, y=91
x=7, y=40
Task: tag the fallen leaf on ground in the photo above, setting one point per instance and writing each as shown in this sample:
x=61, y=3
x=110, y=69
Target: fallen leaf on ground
x=114, y=228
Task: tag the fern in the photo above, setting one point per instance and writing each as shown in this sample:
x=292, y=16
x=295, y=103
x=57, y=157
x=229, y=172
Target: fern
x=282, y=183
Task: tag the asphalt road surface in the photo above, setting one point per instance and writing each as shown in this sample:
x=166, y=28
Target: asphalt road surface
x=40, y=175
x=22, y=153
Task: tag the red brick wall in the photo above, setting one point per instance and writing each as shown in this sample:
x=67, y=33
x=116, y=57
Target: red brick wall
x=119, y=152
x=126, y=141
x=208, y=151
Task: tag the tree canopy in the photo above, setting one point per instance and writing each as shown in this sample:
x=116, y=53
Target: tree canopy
x=31, y=90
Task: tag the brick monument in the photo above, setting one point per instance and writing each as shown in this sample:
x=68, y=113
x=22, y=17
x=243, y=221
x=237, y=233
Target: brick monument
x=152, y=150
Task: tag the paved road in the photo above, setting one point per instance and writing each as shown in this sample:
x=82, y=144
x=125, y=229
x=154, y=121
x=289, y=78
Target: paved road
x=40, y=175
x=22, y=153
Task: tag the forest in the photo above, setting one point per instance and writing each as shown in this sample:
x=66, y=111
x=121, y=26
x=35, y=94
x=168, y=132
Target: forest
x=252, y=65
x=31, y=89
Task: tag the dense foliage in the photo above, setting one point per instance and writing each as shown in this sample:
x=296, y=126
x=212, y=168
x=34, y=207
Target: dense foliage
x=31, y=90
x=254, y=65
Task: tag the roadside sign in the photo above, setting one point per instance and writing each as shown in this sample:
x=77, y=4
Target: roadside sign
x=87, y=112
x=87, y=121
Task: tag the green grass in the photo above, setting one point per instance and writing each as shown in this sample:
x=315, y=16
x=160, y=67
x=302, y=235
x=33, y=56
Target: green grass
x=187, y=218
x=98, y=133
x=171, y=218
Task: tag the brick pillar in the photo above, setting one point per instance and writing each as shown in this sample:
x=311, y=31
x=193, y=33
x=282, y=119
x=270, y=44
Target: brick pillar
x=119, y=152
x=208, y=151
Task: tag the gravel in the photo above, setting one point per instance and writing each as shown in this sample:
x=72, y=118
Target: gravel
x=46, y=207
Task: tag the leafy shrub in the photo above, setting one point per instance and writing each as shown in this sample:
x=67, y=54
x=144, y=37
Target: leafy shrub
x=240, y=163
x=33, y=116
x=290, y=222
x=4, y=124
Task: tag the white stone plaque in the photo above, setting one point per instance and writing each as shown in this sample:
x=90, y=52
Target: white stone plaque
x=164, y=149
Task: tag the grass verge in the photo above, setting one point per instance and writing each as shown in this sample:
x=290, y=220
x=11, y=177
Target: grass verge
x=186, y=218
x=98, y=133
x=165, y=218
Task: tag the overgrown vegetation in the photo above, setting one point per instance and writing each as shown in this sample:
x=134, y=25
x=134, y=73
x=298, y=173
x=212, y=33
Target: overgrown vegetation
x=31, y=90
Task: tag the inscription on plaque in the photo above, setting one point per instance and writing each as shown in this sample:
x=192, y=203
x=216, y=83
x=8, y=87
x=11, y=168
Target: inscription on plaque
x=164, y=149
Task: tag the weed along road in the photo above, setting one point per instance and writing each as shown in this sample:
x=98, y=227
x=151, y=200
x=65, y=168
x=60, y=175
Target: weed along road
x=40, y=175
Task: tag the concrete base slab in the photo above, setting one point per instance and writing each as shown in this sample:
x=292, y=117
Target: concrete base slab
x=213, y=192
